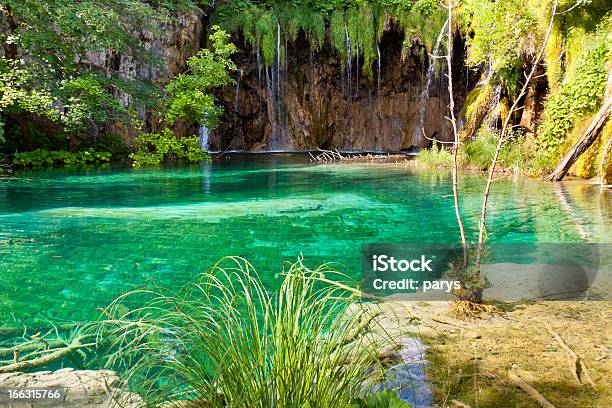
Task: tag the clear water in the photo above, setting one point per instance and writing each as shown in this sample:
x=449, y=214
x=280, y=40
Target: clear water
x=72, y=240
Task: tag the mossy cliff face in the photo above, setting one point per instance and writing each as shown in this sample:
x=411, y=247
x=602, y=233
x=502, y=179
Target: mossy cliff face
x=310, y=104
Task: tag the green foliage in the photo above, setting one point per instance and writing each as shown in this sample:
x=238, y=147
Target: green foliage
x=43, y=157
x=18, y=93
x=191, y=93
x=48, y=68
x=480, y=151
x=155, y=148
x=86, y=101
x=499, y=35
x=380, y=399
x=363, y=20
x=580, y=94
x=228, y=340
x=112, y=143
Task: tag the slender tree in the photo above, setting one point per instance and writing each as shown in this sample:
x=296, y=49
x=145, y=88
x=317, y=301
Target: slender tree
x=449, y=60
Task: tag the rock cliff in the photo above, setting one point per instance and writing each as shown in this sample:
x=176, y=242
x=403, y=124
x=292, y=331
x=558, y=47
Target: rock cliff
x=311, y=99
x=308, y=102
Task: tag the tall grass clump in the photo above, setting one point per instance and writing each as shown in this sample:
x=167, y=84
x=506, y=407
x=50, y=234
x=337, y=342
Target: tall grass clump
x=514, y=157
x=435, y=157
x=225, y=340
x=478, y=154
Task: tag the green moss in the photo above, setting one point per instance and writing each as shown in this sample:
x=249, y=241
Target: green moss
x=474, y=100
x=364, y=21
x=338, y=34
x=580, y=94
x=267, y=35
x=553, y=57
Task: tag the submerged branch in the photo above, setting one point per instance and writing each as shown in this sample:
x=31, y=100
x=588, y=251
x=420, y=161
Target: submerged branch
x=51, y=356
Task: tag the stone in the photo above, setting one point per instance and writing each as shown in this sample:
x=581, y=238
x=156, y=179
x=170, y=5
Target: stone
x=82, y=388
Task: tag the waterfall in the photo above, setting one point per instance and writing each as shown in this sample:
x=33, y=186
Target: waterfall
x=278, y=57
x=348, y=58
x=203, y=137
x=378, y=72
x=493, y=111
x=237, y=97
x=357, y=67
x=274, y=110
x=258, y=68
x=430, y=74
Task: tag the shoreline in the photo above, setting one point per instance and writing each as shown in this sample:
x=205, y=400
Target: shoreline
x=475, y=361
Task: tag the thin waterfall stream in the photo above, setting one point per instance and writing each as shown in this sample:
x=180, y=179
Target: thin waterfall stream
x=420, y=132
x=237, y=98
x=348, y=58
x=493, y=111
x=278, y=58
x=204, y=137
x=378, y=72
x=357, y=68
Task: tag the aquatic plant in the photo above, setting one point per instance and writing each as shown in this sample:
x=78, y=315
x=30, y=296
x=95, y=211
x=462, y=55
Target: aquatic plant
x=435, y=156
x=226, y=340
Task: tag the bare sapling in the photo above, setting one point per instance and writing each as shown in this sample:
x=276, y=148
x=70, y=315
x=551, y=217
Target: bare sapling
x=449, y=59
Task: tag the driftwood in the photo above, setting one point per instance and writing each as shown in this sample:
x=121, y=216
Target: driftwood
x=335, y=155
x=21, y=331
x=588, y=138
x=532, y=392
x=577, y=367
x=48, y=355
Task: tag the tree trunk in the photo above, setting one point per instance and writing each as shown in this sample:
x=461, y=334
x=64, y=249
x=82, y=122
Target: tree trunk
x=589, y=137
x=28, y=142
x=10, y=48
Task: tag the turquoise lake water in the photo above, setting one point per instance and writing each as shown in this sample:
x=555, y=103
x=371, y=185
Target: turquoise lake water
x=72, y=240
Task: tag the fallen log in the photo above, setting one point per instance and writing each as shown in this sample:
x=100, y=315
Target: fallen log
x=588, y=138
